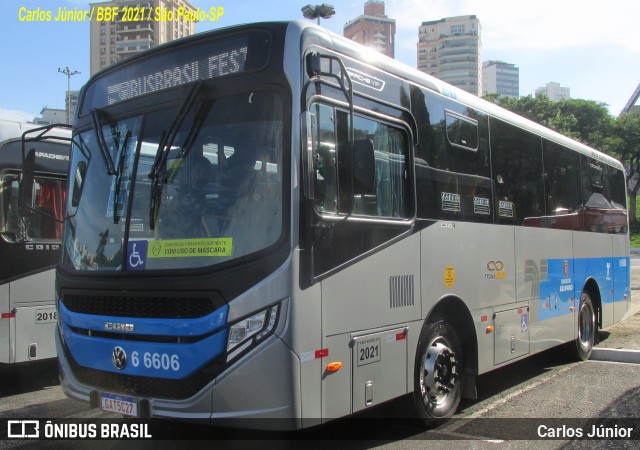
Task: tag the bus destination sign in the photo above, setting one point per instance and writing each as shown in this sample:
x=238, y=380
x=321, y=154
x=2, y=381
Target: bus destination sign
x=178, y=65
x=218, y=65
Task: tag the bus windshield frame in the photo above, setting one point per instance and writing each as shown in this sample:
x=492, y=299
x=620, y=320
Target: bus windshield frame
x=181, y=178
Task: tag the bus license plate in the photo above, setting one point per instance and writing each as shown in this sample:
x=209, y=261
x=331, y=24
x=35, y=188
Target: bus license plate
x=46, y=314
x=119, y=404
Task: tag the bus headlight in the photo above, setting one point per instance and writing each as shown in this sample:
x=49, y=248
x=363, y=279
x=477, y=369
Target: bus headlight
x=250, y=331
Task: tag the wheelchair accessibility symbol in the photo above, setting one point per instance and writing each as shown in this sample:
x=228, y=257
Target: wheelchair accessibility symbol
x=524, y=323
x=137, y=255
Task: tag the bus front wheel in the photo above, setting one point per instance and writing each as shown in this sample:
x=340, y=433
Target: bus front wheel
x=438, y=371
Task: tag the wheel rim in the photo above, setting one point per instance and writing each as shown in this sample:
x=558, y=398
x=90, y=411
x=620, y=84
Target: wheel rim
x=439, y=375
x=586, y=327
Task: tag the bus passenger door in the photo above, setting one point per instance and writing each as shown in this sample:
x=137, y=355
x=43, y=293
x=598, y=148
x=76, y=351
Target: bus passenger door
x=362, y=253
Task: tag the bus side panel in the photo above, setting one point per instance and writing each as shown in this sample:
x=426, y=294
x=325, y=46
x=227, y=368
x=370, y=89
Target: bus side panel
x=35, y=322
x=6, y=341
x=621, y=277
x=305, y=340
x=373, y=296
x=593, y=260
x=475, y=263
x=546, y=281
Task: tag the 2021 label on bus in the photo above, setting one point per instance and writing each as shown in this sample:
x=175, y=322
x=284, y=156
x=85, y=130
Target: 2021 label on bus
x=46, y=314
x=368, y=351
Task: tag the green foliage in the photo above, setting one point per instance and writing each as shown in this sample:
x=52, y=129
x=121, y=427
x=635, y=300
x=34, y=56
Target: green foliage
x=586, y=121
x=635, y=240
x=625, y=136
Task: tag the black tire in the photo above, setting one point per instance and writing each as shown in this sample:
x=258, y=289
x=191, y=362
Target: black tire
x=438, y=372
x=587, y=328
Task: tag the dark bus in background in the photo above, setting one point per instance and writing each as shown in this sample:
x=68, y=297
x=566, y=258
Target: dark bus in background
x=30, y=235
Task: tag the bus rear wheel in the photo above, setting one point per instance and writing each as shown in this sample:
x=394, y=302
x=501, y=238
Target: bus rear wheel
x=587, y=328
x=438, y=372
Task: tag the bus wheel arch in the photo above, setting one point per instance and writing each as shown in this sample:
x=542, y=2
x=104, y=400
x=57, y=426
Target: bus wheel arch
x=445, y=361
x=593, y=290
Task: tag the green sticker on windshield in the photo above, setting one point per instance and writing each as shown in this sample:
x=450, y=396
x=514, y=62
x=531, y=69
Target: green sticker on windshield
x=181, y=248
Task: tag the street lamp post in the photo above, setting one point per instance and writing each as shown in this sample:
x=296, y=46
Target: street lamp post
x=323, y=11
x=68, y=73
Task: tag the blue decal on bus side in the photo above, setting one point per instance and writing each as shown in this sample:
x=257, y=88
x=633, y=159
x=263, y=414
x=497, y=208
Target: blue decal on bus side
x=565, y=278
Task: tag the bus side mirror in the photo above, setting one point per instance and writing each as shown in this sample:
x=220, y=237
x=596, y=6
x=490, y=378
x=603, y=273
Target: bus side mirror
x=364, y=167
x=26, y=184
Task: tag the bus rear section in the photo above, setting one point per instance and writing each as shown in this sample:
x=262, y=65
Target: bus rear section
x=30, y=235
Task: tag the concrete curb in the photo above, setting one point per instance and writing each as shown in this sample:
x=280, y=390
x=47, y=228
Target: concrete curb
x=615, y=355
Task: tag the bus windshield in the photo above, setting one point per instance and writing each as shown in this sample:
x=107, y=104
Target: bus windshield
x=193, y=184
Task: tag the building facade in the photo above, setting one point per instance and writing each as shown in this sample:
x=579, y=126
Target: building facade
x=49, y=116
x=450, y=50
x=373, y=29
x=112, y=41
x=554, y=91
x=499, y=77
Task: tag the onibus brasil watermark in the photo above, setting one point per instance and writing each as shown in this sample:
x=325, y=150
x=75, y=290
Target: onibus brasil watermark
x=48, y=429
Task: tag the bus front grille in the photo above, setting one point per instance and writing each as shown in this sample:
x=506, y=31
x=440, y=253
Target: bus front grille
x=152, y=307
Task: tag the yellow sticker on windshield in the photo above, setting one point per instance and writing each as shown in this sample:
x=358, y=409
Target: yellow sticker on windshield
x=181, y=248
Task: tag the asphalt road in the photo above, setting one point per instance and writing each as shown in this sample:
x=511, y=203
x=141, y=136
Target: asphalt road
x=517, y=404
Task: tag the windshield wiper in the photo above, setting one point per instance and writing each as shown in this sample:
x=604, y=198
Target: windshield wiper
x=121, y=158
x=162, y=154
x=95, y=118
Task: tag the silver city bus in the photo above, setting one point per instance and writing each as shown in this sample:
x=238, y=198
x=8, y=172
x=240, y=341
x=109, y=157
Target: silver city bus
x=31, y=215
x=271, y=221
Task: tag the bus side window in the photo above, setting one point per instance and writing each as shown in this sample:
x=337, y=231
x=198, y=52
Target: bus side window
x=325, y=163
x=390, y=194
x=389, y=198
x=453, y=168
x=11, y=226
x=517, y=167
x=49, y=199
x=561, y=186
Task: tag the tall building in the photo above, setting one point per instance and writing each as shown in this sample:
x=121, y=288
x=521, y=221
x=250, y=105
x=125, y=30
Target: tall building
x=115, y=40
x=499, y=77
x=450, y=49
x=373, y=29
x=554, y=91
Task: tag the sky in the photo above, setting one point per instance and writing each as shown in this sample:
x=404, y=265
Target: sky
x=590, y=46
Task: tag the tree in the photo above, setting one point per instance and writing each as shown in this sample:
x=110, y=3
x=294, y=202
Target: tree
x=586, y=121
x=593, y=123
x=624, y=143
